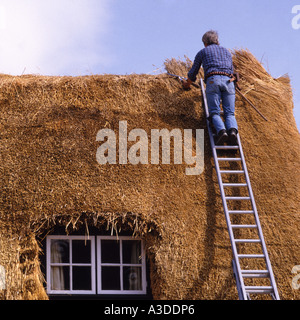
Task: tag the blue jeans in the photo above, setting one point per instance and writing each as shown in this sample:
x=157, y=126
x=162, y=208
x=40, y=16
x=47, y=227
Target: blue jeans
x=219, y=88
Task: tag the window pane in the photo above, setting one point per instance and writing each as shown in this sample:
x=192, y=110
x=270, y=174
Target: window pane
x=60, y=251
x=60, y=278
x=132, y=251
x=81, y=251
x=82, y=278
x=132, y=278
x=110, y=251
x=110, y=277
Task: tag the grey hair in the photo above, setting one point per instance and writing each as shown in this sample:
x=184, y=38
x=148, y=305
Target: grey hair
x=210, y=37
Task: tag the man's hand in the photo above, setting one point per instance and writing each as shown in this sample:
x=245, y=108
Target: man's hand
x=186, y=84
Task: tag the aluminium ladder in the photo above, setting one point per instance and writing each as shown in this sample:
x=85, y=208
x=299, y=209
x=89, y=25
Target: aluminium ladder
x=253, y=271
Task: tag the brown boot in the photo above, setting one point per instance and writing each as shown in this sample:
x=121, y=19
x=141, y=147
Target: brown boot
x=222, y=137
x=232, y=134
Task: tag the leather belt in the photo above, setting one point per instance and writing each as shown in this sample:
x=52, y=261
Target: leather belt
x=218, y=73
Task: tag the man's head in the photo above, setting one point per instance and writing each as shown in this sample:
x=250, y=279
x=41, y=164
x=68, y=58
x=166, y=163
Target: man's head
x=210, y=37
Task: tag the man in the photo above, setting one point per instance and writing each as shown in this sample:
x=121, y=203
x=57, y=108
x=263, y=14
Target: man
x=218, y=76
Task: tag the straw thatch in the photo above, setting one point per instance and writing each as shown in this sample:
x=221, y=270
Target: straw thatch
x=50, y=176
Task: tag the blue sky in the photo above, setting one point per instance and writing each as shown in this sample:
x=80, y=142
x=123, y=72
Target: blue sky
x=78, y=37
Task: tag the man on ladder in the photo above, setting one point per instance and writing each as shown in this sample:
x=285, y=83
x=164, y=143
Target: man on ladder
x=254, y=276
x=219, y=79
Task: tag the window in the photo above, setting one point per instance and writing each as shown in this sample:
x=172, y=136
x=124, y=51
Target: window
x=121, y=266
x=70, y=264
x=75, y=264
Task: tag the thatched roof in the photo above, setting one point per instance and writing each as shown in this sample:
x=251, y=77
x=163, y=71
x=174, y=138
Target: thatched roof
x=49, y=175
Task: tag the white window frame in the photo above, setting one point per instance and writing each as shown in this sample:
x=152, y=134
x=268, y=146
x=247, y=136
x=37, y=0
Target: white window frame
x=95, y=265
x=70, y=264
x=142, y=265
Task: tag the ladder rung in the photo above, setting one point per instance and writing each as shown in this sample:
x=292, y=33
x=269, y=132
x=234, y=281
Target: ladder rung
x=236, y=226
x=247, y=240
x=255, y=273
x=240, y=211
x=234, y=184
x=232, y=171
x=237, y=198
x=227, y=147
x=229, y=159
x=259, y=289
x=251, y=255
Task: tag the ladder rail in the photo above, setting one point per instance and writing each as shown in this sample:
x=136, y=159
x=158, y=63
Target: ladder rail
x=257, y=221
x=243, y=291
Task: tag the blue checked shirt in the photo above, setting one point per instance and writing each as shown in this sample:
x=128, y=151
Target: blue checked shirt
x=212, y=58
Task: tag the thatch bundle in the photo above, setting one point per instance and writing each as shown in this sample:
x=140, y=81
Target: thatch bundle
x=50, y=176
